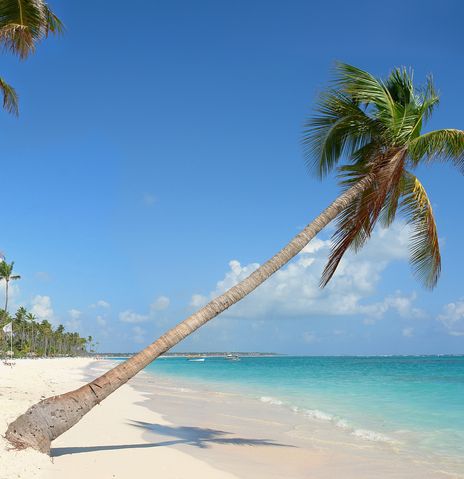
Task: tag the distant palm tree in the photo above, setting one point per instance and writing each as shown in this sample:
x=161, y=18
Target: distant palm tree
x=31, y=318
x=375, y=127
x=6, y=273
x=23, y=24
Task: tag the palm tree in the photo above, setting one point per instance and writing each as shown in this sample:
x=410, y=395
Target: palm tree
x=21, y=325
x=89, y=342
x=375, y=126
x=23, y=24
x=31, y=319
x=6, y=273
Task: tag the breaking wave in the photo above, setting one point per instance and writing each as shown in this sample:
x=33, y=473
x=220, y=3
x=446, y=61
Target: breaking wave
x=318, y=415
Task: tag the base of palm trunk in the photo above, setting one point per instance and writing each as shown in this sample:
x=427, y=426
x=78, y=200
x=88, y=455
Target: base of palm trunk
x=45, y=421
x=30, y=430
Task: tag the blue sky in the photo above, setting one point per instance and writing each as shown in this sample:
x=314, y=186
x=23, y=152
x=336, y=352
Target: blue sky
x=156, y=146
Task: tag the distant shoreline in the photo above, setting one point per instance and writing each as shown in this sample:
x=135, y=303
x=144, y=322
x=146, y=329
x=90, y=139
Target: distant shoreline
x=258, y=354
x=218, y=354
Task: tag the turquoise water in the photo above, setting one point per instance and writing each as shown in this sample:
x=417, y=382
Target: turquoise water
x=413, y=401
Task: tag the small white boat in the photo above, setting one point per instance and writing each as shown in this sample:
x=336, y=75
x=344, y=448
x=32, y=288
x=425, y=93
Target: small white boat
x=198, y=360
x=233, y=357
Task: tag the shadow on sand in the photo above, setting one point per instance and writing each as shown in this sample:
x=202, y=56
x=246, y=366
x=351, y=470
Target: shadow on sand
x=192, y=436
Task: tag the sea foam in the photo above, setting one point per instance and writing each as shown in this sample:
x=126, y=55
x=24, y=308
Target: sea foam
x=318, y=415
x=371, y=436
x=271, y=400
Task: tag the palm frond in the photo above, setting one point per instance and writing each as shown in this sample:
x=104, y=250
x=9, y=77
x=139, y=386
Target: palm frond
x=441, y=145
x=52, y=22
x=400, y=85
x=358, y=219
x=374, y=126
x=429, y=98
x=392, y=203
x=24, y=23
x=10, y=98
x=424, y=247
x=364, y=88
x=339, y=127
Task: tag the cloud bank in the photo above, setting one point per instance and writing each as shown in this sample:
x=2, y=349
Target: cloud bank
x=294, y=290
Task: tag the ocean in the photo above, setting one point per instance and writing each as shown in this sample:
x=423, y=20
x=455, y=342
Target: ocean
x=413, y=402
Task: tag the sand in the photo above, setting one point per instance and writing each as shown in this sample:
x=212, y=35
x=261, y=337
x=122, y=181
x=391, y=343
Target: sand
x=256, y=439
x=114, y=448
x=164, y=427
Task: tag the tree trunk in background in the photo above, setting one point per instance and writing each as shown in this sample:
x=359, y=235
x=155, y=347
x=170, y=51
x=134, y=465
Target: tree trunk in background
x=48, y=419
x=6, y=298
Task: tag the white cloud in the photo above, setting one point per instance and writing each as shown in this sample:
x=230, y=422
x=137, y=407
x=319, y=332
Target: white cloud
x=198, y=301
x=101, y=321
x=75, y=313
x=73, y=325
x=41, y=306
x=452, y=318
x=129, y=316
x=13, y=295
x=309, y=337
x=160, y=303
x=403, y=305
x=101, y=304
x=315, y=245
x=138, y=334
x=294, y=290
x=408, y=332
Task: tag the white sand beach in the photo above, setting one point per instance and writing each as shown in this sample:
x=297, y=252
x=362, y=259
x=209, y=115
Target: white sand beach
x=107, y=425
x=156, y=426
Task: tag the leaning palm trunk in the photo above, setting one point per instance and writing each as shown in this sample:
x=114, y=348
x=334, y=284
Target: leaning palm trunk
x=48, y=419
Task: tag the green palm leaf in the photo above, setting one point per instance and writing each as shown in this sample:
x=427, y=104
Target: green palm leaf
x=424, y=246
x=359, y=217
x=339, y=127
x=10, y=98
x=24, y=23
x=363, y=87
x=374, y=127
x=442, y=145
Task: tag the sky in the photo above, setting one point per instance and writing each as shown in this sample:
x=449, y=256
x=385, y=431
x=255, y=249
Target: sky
x=157, y=160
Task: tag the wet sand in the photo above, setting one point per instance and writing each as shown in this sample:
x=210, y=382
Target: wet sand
x=252, y=439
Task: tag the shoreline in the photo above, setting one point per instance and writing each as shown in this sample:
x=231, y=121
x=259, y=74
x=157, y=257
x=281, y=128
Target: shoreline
x=218, y=426
x=172, y=427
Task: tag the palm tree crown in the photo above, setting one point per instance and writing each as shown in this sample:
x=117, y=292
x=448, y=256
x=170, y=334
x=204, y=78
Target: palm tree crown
x=6, y=273
x=23, y=23
x=375, y=126
x=6, y=270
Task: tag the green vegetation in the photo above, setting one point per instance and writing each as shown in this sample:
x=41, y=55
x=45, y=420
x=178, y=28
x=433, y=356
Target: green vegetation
x=32, y=338
x=6, y=274
x=374, y=126
x=23, y=24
